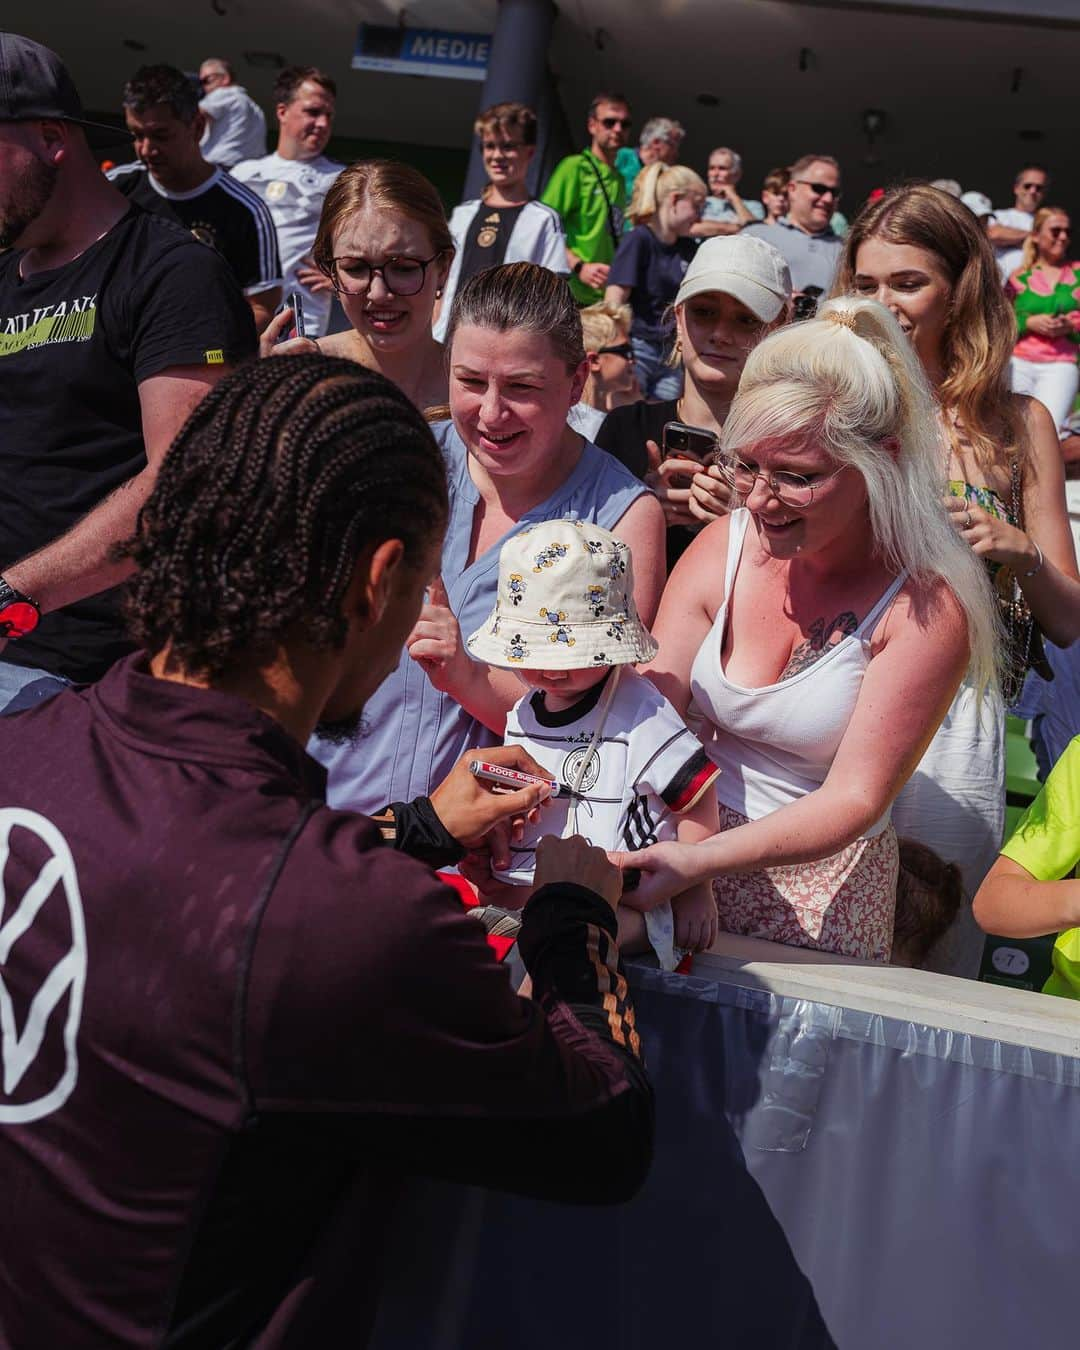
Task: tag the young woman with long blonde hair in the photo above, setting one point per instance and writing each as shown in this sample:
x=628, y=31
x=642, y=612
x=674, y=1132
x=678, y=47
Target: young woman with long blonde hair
x=922, y=254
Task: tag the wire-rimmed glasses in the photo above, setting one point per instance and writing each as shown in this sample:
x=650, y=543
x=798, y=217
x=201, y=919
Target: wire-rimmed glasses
x=790, y=488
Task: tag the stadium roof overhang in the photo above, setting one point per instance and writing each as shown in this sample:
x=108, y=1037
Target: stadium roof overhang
x=966, y=89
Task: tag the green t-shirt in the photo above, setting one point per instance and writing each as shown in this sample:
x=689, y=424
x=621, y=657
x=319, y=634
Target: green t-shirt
x=574, y=191
x=1046, y=843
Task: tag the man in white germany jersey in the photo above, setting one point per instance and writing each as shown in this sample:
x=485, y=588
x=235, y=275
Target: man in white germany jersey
x=295, y=179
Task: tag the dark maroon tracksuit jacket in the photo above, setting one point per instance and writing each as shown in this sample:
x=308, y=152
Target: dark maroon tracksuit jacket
x=231, y=1018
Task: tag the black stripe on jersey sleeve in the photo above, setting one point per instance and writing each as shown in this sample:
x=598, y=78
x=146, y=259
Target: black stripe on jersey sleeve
x=691, y=781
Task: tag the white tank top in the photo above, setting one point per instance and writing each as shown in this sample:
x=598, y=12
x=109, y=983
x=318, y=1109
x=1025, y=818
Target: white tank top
x=776, y=743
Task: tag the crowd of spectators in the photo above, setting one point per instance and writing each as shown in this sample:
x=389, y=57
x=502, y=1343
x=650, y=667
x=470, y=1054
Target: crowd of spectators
x=314, y=494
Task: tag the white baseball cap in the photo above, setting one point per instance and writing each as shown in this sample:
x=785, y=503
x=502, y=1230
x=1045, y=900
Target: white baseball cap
x=743, y=266
x=978, y=203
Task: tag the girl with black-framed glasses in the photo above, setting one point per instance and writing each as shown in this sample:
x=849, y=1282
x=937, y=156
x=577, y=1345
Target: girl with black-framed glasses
x=384, y=244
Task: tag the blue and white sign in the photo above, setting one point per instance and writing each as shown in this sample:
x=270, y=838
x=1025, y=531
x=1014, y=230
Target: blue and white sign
x=422, y=51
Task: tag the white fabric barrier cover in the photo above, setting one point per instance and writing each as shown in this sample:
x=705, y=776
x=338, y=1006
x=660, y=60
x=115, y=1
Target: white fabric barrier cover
x=827, y=1173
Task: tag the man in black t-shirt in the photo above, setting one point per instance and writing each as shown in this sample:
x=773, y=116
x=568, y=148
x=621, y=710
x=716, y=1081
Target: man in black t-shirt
x=113, y=325
x=171, y=179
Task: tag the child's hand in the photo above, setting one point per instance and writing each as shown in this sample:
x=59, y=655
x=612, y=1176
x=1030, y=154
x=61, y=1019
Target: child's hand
x=475, y=867
x=435, y=643
x=696, y=920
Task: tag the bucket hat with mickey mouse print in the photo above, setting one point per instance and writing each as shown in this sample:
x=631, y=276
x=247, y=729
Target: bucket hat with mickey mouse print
x=565, y=600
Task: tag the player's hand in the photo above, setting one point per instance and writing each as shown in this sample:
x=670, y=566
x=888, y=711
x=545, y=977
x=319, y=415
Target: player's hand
x=436, y=645
x=269, y=344
x=696, y=920
x=471, y=810
x=577, y=861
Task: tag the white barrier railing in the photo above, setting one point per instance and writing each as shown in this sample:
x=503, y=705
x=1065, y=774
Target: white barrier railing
x=847, y=1155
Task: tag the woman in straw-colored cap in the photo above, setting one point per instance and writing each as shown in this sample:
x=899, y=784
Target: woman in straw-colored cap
x=735, y=291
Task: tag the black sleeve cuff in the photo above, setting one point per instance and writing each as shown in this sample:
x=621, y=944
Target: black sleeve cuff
x=420, y=833
x=561, y=906
x=568, y=943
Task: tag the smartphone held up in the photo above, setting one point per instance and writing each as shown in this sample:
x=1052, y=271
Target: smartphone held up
x=297, y=329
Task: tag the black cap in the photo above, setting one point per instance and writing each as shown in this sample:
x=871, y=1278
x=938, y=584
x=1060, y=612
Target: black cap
x=35, y=85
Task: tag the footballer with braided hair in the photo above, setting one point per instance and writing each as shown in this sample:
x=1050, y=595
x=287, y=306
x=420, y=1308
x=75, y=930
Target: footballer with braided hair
x=253, y=1015
x=277, y=484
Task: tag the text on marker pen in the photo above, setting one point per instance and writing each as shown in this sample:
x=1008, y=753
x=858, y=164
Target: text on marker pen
x=512, y=778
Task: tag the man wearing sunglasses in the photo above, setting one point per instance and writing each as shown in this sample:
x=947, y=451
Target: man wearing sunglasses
x=589, y=194
x=1012, y=224
x=805, y=235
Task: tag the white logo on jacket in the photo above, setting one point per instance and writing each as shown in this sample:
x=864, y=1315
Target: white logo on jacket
x=19, y=1049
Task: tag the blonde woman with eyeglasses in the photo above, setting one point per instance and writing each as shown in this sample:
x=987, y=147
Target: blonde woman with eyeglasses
x=1045, y=292
x=816, y=636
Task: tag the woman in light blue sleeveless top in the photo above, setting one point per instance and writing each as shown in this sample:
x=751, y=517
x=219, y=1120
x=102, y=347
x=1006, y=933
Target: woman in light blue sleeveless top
x=516, y=367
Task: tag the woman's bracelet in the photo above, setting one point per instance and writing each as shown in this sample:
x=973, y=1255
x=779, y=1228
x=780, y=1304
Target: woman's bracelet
x=1038, y=566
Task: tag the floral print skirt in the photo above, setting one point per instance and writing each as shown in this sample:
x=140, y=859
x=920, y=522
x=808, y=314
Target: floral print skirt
x=845, y=903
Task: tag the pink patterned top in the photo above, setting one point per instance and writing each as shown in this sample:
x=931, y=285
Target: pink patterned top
x=1032, y=294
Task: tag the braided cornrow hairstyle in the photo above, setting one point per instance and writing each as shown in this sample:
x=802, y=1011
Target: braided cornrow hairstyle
x=282, y=475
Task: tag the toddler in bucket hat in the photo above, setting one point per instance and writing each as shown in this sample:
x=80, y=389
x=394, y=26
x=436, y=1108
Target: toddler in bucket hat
x=631, y=772
x=565, y=602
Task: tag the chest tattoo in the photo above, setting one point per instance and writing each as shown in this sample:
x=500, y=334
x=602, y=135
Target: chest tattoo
x=822, y=638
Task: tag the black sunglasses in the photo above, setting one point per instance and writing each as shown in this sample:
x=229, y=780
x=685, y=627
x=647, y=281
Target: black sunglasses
x=1034, y=187
x=610, y=122
x=820, y=189
x=624, y=349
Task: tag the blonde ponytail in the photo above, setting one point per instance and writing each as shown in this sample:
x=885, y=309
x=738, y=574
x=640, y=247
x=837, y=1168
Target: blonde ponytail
x=655, y=183
x=644, y=201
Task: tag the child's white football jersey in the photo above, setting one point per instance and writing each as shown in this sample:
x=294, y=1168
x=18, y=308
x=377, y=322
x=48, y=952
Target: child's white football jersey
x=645, y=769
